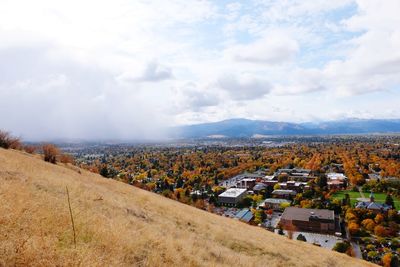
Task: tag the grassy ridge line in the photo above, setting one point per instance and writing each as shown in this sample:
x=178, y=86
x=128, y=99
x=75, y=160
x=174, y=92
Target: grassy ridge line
x=119, y=225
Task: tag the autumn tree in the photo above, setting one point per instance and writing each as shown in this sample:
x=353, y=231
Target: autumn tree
x=7, y=141
x=380, y=231
x=66, y=158
x=199, y=203
x=29, y=149
x=387, y=259
x=353, y=228
x=379, y=218
x=368, y=224
x=50, y=152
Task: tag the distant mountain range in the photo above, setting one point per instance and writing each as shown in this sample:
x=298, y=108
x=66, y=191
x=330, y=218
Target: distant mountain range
x=258, y=128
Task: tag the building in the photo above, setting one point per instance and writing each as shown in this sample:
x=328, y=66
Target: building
x=295, y=174
x=308, y=220
x=244, y=180
x=282, y=193
x=293, y=185
x=331, y=176
x=247, y=183
x=259, y=187
x=271, y=182
x=336, y=184
x=274, y=203
x=232, y=196
x=372, y=205
x=336, y=180
x=245, y=215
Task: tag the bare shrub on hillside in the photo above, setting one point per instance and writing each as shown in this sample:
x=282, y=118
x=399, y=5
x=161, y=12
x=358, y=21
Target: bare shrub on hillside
x=50, y=152
x=30, y=149
x=66, y=158
x=290, y=229
x=7, y=141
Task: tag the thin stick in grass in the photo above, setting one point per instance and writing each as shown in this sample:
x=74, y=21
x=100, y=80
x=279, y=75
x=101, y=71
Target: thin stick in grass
x=72, y=217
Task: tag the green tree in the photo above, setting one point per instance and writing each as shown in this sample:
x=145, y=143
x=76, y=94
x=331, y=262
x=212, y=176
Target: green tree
x=104, y=172
x=301, y=237
x=346, y=200
x=259, y=216
x=341, y=247
x=389, y=200
x=322, y=181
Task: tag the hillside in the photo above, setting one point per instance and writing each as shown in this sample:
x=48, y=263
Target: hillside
x=119, y=225
x=250, y=128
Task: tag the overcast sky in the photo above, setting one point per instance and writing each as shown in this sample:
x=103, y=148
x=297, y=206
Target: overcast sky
x=128, y=69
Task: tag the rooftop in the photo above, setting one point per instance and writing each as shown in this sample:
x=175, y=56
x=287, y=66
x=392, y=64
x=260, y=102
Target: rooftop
x=276, y=200
x=372, y=205
x=284, y=192
x=335, y=182
x=233, y=192
x=299, y=214
x=244, y=215
x=248, y=179
x=336, y=176
x=259, y=186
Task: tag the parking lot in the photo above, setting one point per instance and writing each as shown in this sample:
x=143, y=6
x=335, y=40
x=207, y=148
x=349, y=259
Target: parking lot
x=272, y=220
x=325, y=241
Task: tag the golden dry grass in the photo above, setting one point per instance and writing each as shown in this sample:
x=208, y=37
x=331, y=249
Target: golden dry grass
x=119, y=225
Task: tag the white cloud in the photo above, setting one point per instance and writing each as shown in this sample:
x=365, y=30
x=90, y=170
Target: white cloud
x=374, y=62
x=274, y=48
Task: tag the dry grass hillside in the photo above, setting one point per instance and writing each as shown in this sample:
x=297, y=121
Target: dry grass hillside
x=119, y=225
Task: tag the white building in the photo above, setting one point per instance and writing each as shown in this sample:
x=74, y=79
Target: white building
x=232, y=196
x=336, y=176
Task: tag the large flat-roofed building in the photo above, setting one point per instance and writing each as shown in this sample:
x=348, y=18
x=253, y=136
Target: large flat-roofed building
x=232, y=196
x=295, y=174
x=283, y=193
x=308, y=220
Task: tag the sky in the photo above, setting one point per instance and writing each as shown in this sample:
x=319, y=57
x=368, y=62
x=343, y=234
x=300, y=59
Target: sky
x=96, y=69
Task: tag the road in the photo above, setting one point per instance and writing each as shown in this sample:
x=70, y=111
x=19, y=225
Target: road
x=361, y=192
x=356, y=249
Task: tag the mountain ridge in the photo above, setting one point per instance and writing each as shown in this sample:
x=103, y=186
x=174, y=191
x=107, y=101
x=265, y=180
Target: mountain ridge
x=247, y=128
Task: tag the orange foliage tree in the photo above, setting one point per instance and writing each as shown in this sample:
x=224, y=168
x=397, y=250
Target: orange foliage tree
x=50, y=153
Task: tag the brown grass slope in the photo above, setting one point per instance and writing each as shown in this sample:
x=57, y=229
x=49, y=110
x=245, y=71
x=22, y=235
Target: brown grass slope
x=119, y=225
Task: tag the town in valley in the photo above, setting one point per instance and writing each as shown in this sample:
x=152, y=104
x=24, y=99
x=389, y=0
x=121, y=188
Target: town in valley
x=336, y=192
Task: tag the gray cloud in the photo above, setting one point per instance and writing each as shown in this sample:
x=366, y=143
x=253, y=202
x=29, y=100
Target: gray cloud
x=45, y=96
x=194, y=97
x=244, y=87
x=155, y=72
